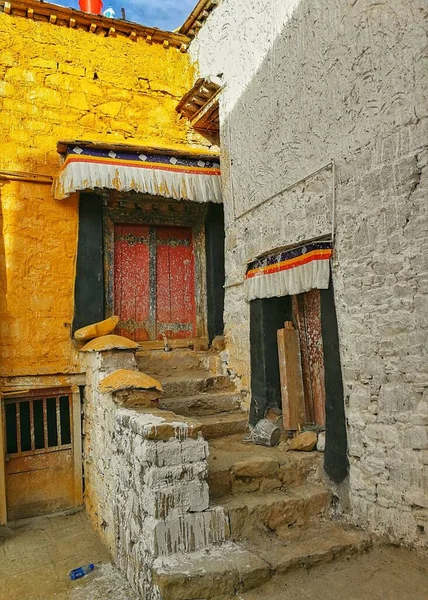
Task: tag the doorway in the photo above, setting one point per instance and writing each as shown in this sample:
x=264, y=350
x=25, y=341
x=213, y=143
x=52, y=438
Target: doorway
x=154, y=281
x=314, y=315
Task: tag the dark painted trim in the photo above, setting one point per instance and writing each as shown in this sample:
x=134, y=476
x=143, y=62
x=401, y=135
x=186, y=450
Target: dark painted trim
x=266, y=317
x=336, y=461
x=89, y=283
x=214, y=250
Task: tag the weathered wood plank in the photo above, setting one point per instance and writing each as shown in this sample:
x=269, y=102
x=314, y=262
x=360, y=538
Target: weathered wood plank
x=290, y=369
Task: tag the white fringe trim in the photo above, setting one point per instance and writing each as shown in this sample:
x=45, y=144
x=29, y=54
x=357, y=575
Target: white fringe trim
x=181, y=186
x=313, y=275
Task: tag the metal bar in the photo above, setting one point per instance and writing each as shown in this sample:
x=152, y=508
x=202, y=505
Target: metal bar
x=18, y=427
x=45, y=425
x=333, y=194
x=286, y=189
x=58, y=421
x=32, y=435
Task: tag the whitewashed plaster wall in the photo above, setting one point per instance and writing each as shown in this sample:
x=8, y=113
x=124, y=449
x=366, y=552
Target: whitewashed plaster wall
x=306, y=82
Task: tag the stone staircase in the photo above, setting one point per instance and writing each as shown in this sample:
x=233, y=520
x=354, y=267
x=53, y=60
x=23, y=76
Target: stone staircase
x=276, y=503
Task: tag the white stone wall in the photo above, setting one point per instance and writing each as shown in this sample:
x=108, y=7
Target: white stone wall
x=309, y=81
x=146, y=495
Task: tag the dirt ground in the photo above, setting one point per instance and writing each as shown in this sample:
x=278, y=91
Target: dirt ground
x=385, y=573
x=37, y=556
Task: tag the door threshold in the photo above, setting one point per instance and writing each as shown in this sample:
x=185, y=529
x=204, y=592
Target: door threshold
x=192, y=343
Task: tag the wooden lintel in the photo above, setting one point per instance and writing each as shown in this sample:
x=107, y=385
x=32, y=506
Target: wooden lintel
x=188, y=153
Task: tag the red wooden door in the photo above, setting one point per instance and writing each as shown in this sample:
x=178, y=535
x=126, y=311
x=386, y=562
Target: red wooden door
x=154, y=285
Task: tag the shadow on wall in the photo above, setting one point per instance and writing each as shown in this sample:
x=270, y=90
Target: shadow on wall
x=3, y=279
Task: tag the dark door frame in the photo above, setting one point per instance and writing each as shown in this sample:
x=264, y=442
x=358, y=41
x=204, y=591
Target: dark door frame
x=268, y=315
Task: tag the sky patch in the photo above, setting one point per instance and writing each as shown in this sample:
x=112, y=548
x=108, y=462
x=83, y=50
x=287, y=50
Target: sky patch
x=164, y=14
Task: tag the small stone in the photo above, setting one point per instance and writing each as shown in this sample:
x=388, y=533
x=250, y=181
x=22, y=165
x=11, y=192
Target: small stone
x=321, y=441
x=96, y=329
x=305, y=441
x=109, y=342
x=218, y=344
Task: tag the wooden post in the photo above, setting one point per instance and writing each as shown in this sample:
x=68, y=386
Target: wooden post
x=3, y=505
x=77, y=444
x=290, y=370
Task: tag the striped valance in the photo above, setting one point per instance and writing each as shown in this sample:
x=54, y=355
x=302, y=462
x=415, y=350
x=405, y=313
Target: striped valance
x=289, y=272
x=159, y=175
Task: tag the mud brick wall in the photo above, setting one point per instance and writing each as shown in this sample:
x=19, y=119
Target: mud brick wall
x=59, y=83
x=311, y=81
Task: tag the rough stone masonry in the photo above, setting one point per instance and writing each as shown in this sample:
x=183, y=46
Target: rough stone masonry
x=311, y=81
x=146, y=487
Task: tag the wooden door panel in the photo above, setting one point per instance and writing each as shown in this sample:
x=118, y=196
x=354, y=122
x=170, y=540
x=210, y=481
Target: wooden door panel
x=175, y=285
x=131, y=281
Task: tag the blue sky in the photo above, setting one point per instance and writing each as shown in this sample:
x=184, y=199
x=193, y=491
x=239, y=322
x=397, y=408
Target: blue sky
x=165, y=14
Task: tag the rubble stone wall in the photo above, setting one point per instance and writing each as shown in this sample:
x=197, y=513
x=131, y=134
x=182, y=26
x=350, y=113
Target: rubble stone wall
x=146, y=496
x=311, y=81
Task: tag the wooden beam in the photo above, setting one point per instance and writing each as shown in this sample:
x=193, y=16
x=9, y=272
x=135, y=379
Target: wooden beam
x=198, y=15
x=23, y=176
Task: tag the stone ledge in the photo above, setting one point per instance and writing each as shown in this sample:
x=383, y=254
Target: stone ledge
x=159, y=424
x=106, y=343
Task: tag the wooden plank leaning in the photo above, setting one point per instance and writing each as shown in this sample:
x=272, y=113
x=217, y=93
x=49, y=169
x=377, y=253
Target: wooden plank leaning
x=290, y=369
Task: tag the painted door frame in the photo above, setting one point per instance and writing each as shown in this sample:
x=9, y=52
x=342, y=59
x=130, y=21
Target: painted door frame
x=122, y=208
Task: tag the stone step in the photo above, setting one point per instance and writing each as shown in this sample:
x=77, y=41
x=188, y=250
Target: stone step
x=220, y=571
x=316, y=543
x=236, y=467
x=192, y=383
x=177, y=360
x=205, y=403
x=275, y=509
x=236, y=571
x=221, y=425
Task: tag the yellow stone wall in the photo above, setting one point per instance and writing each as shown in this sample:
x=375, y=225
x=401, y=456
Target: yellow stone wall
x=58, y=83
